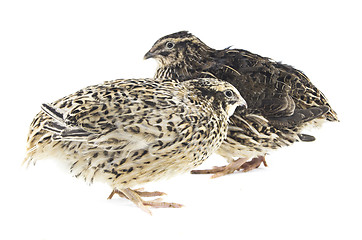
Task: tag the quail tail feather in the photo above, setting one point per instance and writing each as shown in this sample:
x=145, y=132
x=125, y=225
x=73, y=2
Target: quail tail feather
x=306, y=137
x=62, y=130
x=52, y=112
x=300, y=116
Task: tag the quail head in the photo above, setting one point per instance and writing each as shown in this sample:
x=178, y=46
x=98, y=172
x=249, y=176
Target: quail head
x=281, y=100
x=132, y=131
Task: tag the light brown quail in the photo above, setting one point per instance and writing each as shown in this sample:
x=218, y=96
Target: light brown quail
x=129, y=132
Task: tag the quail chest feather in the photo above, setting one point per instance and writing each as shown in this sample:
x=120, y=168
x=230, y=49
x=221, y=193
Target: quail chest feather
x=281, y=100
x=132, y=131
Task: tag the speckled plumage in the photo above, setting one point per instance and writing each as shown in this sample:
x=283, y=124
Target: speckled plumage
x=281, y=100
x=132, y=131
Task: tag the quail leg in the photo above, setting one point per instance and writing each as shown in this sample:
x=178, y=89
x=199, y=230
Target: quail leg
x=254, y=163
x=236, y=165
x=224, y=170
x=135, y=197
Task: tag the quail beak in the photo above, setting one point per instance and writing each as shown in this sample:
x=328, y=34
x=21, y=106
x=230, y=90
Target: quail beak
x=242, y=104
x=149, y=54
x=237, y=102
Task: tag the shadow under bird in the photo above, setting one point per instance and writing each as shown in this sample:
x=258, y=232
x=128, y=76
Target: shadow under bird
x=129, y=132
x=281, y=100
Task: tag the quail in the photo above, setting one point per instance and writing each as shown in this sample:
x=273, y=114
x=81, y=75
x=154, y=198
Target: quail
x=129, y=132
x=281, y=100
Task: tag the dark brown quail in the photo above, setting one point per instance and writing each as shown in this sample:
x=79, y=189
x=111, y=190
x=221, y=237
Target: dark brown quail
x=281, y=100
x=132, y=131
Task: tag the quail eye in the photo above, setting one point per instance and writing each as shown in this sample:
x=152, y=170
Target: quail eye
x=170, y=45
x=229, y=93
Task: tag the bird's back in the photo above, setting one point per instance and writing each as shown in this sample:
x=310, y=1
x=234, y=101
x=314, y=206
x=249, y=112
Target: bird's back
x=258, y=78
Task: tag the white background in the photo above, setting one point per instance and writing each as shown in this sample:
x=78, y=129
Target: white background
x=49, y=49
